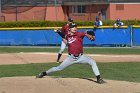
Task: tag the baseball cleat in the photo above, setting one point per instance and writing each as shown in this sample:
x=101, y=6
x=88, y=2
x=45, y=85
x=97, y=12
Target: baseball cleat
x=59, y=62
x=42, y=74
x=100, y=81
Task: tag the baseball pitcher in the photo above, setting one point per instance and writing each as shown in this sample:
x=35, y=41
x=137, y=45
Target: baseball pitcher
x=75, y=53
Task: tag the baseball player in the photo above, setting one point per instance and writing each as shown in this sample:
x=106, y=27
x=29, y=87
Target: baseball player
x=75, y=53
x=97, y=23
x=65, y=30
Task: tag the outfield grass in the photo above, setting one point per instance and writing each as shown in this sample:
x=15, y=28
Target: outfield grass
x=127, y=71
x=93, y=50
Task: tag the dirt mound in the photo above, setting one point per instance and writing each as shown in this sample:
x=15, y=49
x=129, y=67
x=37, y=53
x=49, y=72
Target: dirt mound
x=64, y=85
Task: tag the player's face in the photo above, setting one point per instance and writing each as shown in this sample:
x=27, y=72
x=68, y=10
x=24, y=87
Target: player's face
x=69, y=23
x=73, y=30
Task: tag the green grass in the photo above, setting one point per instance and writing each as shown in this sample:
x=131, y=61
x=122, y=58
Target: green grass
x=92, y=50
x=129, y=71
x=119, y=51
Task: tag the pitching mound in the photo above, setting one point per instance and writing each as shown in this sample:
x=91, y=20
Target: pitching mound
x=64, y=85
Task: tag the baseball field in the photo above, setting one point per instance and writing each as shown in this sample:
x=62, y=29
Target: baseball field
x=119, y=67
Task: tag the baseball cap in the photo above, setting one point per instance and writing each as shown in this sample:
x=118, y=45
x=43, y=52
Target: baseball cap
x=73, y=25
x=70, y=19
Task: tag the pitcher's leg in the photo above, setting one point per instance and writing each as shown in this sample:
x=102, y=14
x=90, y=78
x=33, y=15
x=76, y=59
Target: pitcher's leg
x=94, y=66
x=67, y=62
x=87, y=60
x=63, y=46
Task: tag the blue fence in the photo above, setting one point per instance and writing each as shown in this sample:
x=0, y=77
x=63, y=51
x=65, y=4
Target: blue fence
x=107, y=36
x=136, y=37
x=104, y=36
x=29, y=37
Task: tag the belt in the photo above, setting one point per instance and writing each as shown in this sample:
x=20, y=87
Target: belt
x=76, y=55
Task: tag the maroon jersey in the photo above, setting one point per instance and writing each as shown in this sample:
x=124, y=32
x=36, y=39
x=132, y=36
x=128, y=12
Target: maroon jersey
x=75, y=43
x=65, y=29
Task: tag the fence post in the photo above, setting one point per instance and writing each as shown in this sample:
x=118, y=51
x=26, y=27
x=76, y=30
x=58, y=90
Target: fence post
x=131, y=36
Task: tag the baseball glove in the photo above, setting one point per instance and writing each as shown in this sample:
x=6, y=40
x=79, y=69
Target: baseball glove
x=90, y=33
